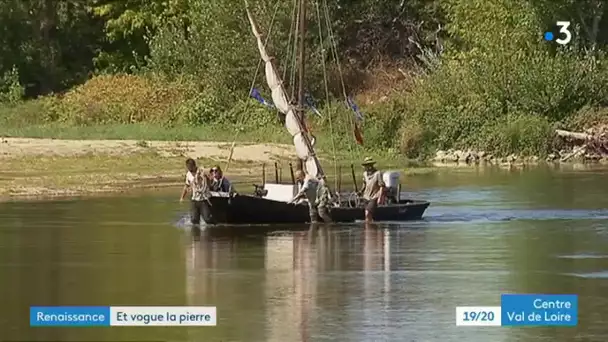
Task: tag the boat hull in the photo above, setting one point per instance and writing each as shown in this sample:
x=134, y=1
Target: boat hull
x=247, y=209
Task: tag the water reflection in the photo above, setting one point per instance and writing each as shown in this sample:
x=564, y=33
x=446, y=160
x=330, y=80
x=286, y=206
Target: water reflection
x=328, y=284
x=379, y=283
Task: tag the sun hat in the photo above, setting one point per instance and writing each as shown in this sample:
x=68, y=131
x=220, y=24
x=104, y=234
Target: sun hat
x=368, y=161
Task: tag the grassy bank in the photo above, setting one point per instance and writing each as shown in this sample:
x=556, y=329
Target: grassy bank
x=436, y=115
x=150, y=107
x=143, y=132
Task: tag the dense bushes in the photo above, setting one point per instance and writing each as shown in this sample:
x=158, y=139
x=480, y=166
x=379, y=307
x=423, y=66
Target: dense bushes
x=108, y=99
x=504, y=91
x=485, y=78
x=505, y=107
x=121, y=99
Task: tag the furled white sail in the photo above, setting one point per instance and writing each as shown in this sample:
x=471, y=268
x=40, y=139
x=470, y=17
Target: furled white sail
x=304, y=146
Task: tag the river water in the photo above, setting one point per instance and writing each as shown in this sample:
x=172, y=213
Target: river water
x=486, y=233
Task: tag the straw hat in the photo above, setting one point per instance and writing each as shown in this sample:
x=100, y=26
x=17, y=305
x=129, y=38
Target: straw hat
x=368, y=161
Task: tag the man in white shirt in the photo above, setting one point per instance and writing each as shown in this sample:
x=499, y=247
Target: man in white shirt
x=307, y=191
x=197, y=181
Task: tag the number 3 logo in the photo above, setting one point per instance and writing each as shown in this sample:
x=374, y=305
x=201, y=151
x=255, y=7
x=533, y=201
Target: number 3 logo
x=564, y=30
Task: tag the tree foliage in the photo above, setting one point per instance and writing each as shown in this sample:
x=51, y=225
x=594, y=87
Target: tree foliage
x=128, y=26
x=51, y=43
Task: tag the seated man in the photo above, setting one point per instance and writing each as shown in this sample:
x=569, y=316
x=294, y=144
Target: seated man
x=220, y=183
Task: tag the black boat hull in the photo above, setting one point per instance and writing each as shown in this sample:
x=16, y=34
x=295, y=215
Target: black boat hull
x=247, y=209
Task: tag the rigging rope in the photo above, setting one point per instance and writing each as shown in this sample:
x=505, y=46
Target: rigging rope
x=322, y=55
x=292, y=76
x=290, y=52
x=334, y=50
x=255, y=76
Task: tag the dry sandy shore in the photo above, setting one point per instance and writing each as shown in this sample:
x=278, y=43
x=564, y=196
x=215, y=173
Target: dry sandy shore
x=52, y=167
x=19, y=147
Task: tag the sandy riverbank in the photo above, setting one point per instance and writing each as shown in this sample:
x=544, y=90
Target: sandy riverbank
x=52, y=167
x=19, y=147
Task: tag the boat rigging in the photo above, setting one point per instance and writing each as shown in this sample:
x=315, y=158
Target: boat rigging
x=272, y=204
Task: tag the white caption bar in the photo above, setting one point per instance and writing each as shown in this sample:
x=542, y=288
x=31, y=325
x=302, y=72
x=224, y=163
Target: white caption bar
x=478, y=316
x=163, y=316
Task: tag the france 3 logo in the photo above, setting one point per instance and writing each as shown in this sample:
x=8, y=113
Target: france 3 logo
x=564, y=35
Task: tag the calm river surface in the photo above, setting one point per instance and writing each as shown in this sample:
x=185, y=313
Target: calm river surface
x=486, y=233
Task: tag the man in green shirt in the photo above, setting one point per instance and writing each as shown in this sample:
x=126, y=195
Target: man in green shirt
x=317, y=195
x=323, y=201
x=308, y=191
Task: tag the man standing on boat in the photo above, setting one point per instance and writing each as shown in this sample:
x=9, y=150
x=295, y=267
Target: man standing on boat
x=373, y=189
x=197, y=180
x=323, y=200
x=308, y=191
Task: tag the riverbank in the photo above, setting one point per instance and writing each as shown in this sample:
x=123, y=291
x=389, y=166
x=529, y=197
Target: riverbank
x=35, y=168
x=50, y=167
x=588, y=146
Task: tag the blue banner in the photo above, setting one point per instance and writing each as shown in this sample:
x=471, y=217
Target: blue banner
x=91, y=316
x=539, y=310
x=88, y=316
x=310, y=102
x=353, y=106
x=256, y=95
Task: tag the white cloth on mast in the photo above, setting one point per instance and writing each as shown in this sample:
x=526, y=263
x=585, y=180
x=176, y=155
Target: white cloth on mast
x=274, y=82
x=294, y=127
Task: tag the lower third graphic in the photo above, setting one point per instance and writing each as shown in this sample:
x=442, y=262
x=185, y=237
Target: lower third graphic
x=559, y=310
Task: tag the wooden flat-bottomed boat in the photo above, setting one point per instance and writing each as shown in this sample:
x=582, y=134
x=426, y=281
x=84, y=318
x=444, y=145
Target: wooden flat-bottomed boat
x=225, y=208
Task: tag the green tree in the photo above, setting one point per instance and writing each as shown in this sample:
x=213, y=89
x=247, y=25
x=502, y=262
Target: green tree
x=129, y=24
x=50, y=43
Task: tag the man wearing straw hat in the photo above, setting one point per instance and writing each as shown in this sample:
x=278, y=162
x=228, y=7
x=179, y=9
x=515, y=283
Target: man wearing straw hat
x=373, y=189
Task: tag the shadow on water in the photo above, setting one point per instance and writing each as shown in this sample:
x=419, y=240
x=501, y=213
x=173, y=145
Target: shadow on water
x=473, y=215
x=485, y=234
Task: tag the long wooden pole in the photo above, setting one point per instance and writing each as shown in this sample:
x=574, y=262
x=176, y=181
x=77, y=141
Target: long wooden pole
x=293, y=177
x=301, y=65
x=276, y=173
x=352, y=172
